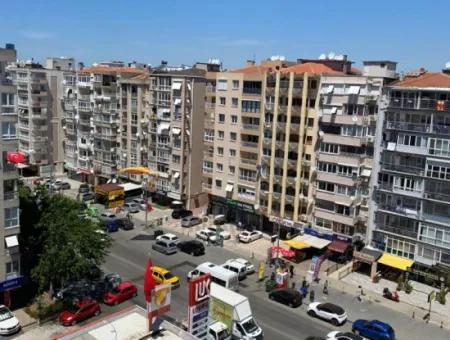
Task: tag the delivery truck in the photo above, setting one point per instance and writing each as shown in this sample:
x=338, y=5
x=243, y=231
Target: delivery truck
x=233, y=310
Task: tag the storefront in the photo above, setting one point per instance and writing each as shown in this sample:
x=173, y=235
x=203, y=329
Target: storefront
x=8, y=286
x=340, y=251
x=392, y=266
x=235, y=211
x=433, y=275
x=365, y=260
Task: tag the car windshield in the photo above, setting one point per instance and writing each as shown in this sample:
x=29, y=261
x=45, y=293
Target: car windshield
x=250, y=326
x=5, y=314
x=168, y=276
x=72, y=308
x=223, y=334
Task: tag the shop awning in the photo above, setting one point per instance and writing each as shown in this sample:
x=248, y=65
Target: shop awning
x=11, y=241
x=313, y=241
x=299, y=245
x=367, y=255
x=162, y=127
x=284, y=252
x=338, y=246
x=395, y=261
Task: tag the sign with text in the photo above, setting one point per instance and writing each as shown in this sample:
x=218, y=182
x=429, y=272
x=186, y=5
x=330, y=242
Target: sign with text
x=198, y=309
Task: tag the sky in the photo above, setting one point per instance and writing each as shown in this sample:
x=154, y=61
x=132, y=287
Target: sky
x=413, y=33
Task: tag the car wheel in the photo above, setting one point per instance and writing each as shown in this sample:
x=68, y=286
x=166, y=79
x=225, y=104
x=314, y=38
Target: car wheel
x=312, y=313
x=334, y=322
x=97, y=312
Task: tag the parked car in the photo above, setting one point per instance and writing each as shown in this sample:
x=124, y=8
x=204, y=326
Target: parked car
x=84, y=188
x=141, y=203
x=249, y=236
x=125, y=224
x=87, y=196
x=193, y=247
x=249, y=267
x=162, y=275
x=374, y=329
x=79, y=312
x=8, y=322
x=74, y=290
x=124, y=291
x=224, y=234
x=111, y=226
x=108, y=216
x=131, y=207
x=328, y=311
x=190, y=221
x=168, y=237
x=337, y=335
x=177, y=214
x=165, y=247
x=286, y=296
x=206, y=235
x=236, y=267
x=60, y=185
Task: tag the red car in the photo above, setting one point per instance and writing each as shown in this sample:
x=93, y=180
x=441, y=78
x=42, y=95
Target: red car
x=124, y=291
x=80, y=311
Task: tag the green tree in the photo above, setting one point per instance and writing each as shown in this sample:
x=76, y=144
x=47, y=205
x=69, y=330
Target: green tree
x=70, y=243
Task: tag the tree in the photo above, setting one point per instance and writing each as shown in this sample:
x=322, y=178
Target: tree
x=70, y=244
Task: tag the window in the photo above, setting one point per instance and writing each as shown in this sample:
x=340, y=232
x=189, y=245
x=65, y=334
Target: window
x=222, y=85
x=7, y=99
x=221, y=118
x=231, y=169
x=234, y=119
x=247, y=175
x=209, y=135
x=220, y=151
x=234, y=102
x=248, y=193
x=233, y=136
x=207, y=166
x=223, y=101
x=218, y=183
x=176, y=159
x=12, y=267
x=438, y=171
x=219, y=167
x=412, y=140
x=9, y=130
x=11, y=217
x=309, y=140
x=232, y=152
x=235, y=84
x=221, y=135
x=313, y=84
x=251, y=106
x=440, y=147
x=310, y=122
x=329, y=148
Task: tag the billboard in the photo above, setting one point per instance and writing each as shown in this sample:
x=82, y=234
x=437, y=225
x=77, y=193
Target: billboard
x=220, y=311
x=160, y=300
x=198, y=309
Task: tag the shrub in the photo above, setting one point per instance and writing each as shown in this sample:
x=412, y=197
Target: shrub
x=408, y=287
x=44, y=306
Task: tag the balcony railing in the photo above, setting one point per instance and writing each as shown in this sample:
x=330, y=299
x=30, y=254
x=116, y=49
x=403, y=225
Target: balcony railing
x=249, y=144
x=209, y=105
x=423, y=104
x=403, y=168
x=247, y=178
x=250, y=126
x=398, y=231
x=208, y=170
x=248, y=91
x=408, y=126
x=10, y=195
x=249, y=161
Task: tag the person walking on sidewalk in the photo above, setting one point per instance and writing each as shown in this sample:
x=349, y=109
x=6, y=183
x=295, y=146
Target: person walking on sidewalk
x=291, y=271
x=325, y=287
x=311, y=295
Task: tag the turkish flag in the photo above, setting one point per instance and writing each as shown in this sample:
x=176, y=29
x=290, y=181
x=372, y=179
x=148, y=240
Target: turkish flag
x=149, y=283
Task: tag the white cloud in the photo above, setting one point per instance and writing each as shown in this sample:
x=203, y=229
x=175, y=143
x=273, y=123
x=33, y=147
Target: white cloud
x=36, y=35
x=244, y=42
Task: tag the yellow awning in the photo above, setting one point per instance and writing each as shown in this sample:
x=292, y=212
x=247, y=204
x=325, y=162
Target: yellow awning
x=139, y=170
x=395, y=261
x=297, y=244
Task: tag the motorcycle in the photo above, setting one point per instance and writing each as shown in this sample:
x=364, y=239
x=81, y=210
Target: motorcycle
x=387, y=294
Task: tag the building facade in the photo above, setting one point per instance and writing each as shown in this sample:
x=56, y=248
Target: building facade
x=411, y=201
x=10, y=267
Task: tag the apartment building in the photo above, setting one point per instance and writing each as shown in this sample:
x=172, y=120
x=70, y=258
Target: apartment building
x=176, y=101
x=9, y=201
x=348, y=112
x=100, y=118
x=412, y=193
x=39, y=110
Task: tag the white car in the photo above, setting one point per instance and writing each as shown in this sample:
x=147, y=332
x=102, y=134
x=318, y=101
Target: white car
x=249, y=267
x=327, y=311
x=168, y=237
x=224, y=234
x=337, y=335
x=140, y=202
x=8, y=322
x=131, y=207
x=250, y=236
x=206, y=235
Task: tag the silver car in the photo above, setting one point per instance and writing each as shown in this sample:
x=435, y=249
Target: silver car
x=131, y=207
x=190, y=221
x=165, y=247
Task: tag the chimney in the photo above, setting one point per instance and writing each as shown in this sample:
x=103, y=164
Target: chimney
x=250, y=62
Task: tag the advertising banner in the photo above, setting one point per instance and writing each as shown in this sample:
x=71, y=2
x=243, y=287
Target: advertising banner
x=198, y=309
x=220, y=311
x=160, y=300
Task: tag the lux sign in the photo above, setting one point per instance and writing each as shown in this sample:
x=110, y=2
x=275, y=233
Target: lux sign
x=199, y=289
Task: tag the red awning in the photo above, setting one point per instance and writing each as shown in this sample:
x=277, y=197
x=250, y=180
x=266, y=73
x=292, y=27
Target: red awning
x=338, y=246
x=15, y=157
x=284, y=252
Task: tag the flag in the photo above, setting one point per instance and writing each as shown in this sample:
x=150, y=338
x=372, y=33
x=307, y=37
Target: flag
x=149, y=283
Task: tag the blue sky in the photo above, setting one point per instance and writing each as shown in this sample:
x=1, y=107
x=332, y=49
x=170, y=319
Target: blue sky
x=414, y=33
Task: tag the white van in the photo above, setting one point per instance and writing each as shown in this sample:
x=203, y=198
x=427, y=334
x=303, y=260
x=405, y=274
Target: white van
x=236, y=267
x=219, y=275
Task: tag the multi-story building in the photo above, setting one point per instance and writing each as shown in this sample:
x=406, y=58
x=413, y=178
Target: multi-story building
x=348, y=111
x=9, y=201
x=412, y=195
x=39, y=110
x=175, y=145
x=101, y=107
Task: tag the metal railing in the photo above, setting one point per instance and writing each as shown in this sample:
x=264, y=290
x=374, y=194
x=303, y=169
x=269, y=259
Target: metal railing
x=403, y=168
x=250, y=144
x=10, y=195
x=398, y=231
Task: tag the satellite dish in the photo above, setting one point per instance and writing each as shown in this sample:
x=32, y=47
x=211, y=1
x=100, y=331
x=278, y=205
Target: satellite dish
x=321, y=133
x=331, y=55
x=323, y=56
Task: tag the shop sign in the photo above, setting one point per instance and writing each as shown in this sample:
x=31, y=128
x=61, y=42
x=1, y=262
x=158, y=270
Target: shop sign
x=342, y=238
x=313, y=232
x=198, y=310
x=357, y=255
x=284, y=222
x=13, y=283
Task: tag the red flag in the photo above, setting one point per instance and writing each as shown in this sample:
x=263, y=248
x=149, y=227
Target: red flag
x=149, y=283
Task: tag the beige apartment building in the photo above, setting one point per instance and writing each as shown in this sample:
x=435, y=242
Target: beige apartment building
x=10, y=267
x=39, y=109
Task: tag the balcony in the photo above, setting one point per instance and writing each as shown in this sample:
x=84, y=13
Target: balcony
x=397, y=231
x=10, y=195
x=393, y=125
x=422, y=104
x=342, y=140
x=247, y=179
x=333, y=216
x=248, y=161
x=249, y=145
x=207, y=170
x=403, y=168
x=210, y=89
x=412, y=212
x=251, y=92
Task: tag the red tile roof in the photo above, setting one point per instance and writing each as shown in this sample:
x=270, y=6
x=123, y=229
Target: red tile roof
x=113, y=70
x=311, y=68
x=258, y=69
x=427, y=79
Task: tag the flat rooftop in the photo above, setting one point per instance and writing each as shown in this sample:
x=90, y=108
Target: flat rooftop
x=127, y=324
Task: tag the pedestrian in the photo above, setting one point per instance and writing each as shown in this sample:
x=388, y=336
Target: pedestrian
x=325, y=287
x=291, y=270
x=293, y=284
x=304, y=283
x=311, y=295
x=304, y=292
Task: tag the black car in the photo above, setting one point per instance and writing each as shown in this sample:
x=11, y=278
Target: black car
x=177, y=214
x=88, y=196
x=84, y=188
x=193, y=247
x=125, y=224
x=286, y=296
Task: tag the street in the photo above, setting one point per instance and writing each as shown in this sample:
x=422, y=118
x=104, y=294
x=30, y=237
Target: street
x=128, y=258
